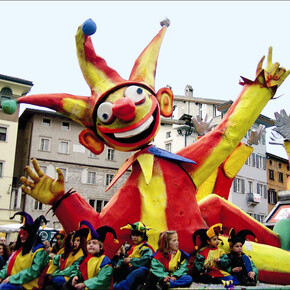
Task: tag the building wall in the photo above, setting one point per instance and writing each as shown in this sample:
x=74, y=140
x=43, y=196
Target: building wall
x=10, y=88
x=7, y=156
x=277, y=172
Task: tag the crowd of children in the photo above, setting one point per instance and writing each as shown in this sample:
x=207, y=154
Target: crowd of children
x=77, y=260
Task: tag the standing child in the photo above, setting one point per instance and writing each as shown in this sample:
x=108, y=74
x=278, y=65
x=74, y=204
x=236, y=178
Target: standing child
x=93, y=271
x=132, y=270
x=242, y=267
x=169, y=264
x=212, y=262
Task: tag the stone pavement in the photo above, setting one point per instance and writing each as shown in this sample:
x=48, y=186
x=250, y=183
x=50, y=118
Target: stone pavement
x=237, y=287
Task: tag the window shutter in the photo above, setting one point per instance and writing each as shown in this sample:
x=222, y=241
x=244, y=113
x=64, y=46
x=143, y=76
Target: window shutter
x=243, y=186
x=235, y=185
x=264, y=163
x=247, y=161
x=269, y=193
x=265, y=191
x=253, y=159
x=257, y=160
x=258, y=188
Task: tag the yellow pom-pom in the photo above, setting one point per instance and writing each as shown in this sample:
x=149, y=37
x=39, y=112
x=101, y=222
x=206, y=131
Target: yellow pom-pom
x=116, y=241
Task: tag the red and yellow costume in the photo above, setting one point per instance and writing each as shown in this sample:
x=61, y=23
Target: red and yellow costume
x=161, y=190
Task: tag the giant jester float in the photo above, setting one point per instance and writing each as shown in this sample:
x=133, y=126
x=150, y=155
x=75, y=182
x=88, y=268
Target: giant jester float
x=161, y=189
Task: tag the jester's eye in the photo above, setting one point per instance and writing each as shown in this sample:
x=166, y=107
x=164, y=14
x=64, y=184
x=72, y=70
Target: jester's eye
x=105, y=113
x=137, y=94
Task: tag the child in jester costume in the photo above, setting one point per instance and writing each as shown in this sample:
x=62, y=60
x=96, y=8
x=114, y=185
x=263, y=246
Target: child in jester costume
x=211, y=262
x=133, y=269
x=26, y=267
x=161, y=189
x=243, y=268
x=94, y=270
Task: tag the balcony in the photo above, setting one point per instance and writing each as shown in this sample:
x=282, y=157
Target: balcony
x=253, y=198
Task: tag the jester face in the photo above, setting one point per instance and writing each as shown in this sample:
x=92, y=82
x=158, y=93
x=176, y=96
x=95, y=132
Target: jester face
x=128, y=118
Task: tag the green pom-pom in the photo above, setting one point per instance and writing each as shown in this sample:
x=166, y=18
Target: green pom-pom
x=9, y=106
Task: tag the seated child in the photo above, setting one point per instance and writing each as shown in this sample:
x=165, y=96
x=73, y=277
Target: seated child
x=94, y=271
x=242, y=267
x=169, y=264
x=74, y=249
x=132, y=270
x=212, y=262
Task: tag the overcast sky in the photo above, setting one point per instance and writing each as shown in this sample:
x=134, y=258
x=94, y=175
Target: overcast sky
x=208, y=45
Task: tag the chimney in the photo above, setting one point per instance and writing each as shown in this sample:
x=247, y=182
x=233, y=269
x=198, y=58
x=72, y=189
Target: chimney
x=188, y=91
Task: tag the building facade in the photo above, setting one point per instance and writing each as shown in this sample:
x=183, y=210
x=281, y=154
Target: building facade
x=53, y=140
x=10, y=88
x=277, y=173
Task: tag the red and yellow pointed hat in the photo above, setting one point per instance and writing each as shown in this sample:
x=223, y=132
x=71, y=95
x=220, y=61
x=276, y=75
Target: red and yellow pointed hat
x=101, y=79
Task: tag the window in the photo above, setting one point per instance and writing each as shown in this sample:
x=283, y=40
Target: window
x=1, y=169
x=259, y=161
x=280, y=176
x=168, y=134
x=239, y=185
x=200, y=110
x=97, y=204
x=109, y=178
x=271, y=174
x=44, y=144
x=251, y=160
x=63, y=147
x=260, y=189
x=272, y=197
x=250, y=183
x=6, y=94
x=168, y=147
x=37, y=205
x=3, y=133
x=111, y=153
x=46, y=122
x=270, y=162
x=91, y=178
x=65, y=125
x=263, y=139
x=92, y=155
x=280, y=165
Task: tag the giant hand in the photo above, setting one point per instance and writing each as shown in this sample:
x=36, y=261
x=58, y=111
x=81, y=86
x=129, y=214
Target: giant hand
x=42, y=187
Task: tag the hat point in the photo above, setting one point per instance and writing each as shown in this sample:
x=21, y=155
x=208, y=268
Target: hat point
x=165, y=22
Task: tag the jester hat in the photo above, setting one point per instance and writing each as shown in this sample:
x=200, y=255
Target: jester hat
x=206, y=234
x=28, y=223
x=91, y=234
x=239, y=236
x=136, y=227
x=101, y=79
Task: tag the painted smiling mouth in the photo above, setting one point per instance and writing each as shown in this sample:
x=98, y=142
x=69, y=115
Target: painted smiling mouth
x=137, y=134
x=136, y=131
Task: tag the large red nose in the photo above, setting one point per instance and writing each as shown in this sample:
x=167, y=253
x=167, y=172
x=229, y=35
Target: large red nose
x=124, y=109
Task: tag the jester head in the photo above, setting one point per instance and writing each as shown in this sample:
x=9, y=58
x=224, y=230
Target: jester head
x=123, y=114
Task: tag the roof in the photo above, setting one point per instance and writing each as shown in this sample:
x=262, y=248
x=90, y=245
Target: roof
x=199, y=100
x=16, y=80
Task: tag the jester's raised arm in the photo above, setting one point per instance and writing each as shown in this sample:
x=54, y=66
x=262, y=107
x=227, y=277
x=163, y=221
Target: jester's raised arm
x=213, y=148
